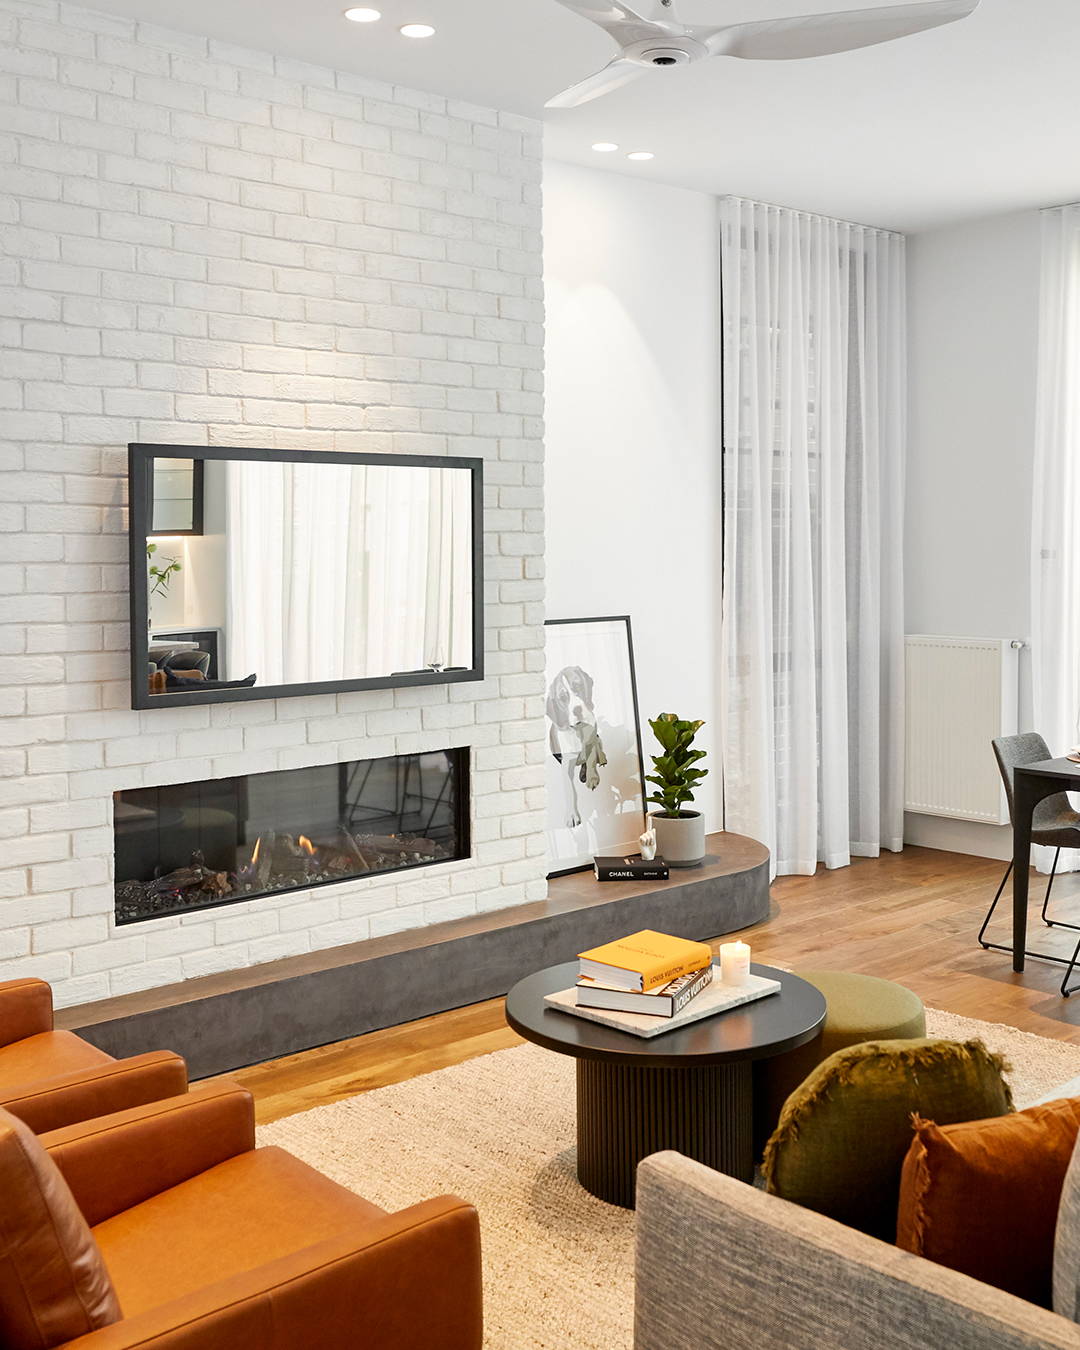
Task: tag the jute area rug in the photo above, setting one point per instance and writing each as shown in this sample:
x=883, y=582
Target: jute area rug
x=499, y=1131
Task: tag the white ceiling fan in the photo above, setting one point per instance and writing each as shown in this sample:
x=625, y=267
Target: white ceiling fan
x=650, y=37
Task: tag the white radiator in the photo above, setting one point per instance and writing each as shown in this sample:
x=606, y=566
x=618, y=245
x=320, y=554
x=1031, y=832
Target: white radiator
x=959, y=693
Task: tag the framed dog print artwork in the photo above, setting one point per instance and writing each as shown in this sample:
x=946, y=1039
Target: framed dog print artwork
x=595, y=799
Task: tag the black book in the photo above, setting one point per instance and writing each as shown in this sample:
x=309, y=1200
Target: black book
x=666, y=1001
x=632, y=868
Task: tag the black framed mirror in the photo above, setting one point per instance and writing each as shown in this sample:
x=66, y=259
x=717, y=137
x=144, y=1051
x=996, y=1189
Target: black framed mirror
x=308, y=573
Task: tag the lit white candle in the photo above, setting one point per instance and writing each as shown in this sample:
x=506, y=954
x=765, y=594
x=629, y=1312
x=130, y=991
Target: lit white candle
x=734, y=962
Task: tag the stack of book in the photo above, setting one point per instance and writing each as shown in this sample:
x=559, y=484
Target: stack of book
x=647, y=972
x=650, y=983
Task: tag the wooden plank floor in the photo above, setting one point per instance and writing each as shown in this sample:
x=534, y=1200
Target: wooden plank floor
x=911, y=917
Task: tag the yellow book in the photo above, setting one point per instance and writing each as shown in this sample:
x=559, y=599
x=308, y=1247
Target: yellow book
x=644, y=960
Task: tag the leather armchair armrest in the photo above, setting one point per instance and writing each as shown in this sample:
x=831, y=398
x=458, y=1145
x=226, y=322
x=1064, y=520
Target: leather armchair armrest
x=410, y=1281
x=51, y=1103
x=118, y=1161
x=25, y=1010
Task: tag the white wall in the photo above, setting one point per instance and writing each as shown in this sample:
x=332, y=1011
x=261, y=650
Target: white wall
x=973, y=324
x=632, y=456
x=631, y=285
x=208, y=245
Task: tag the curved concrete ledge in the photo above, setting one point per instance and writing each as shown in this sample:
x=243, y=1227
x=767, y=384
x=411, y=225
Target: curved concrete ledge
x=223, y=1022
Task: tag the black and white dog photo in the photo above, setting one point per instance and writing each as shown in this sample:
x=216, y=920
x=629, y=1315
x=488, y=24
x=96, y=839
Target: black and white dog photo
x=573, y=734
x=593, y=778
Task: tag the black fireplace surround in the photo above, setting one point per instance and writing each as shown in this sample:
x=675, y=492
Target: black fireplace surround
x=223, y=841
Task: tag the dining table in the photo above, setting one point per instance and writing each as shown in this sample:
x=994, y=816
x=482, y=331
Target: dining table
x=1032, y=783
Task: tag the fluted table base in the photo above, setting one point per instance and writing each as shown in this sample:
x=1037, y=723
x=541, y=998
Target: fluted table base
x=624, y=1113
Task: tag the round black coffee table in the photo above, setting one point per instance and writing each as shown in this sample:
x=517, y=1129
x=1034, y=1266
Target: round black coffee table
x=689, y=1089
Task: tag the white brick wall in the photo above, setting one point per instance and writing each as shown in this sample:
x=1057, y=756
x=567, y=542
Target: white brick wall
x=207, y=245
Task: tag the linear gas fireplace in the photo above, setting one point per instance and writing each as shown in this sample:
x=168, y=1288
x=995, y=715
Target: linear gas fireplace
x=192, y=845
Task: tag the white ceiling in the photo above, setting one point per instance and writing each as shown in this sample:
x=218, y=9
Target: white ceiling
x=973, y=119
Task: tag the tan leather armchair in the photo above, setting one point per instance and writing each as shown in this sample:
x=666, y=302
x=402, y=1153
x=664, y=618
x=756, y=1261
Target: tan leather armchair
x=53, y=1078
x=211, y=1243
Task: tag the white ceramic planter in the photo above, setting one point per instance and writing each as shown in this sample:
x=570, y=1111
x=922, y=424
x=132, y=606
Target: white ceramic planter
x=680, y=840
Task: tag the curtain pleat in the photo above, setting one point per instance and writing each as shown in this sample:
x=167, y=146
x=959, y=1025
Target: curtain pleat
x=1055, y=522
x=812, y=632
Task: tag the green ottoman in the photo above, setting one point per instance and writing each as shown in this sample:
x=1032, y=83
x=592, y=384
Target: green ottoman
x=859, y=1008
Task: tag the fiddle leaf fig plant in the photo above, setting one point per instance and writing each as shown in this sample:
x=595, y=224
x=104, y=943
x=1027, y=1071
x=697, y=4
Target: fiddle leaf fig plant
x=675, y=777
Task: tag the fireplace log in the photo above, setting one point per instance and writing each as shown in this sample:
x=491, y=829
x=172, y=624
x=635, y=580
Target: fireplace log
x=288, y=858
x=395, y=844
x=194, y=877
x=352, y=850
x=265, y=864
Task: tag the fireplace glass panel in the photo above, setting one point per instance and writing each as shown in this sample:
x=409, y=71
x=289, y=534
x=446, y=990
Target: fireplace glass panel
x=192, y=845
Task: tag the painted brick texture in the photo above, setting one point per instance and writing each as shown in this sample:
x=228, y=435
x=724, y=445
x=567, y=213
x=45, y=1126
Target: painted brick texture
x=206, y=245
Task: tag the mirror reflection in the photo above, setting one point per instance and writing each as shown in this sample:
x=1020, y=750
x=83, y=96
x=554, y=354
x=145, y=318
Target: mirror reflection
x=308, y=571
x=176, y=505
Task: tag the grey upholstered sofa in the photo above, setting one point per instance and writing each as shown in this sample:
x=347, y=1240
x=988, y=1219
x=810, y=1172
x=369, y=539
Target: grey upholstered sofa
x=722, y=1266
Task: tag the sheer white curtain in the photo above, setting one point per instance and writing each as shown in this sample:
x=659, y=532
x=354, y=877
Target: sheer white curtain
x=812, y=633
x=346, y=571
x=1055, y=522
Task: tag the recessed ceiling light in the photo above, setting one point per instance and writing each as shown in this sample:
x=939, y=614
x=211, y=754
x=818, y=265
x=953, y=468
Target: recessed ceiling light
x=361, y=14
x=605, y=147
x=416, y=30
x=640, y=154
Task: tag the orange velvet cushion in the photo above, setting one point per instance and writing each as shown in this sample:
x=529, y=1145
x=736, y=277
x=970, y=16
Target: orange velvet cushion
x=982, y=1196
x=53, y=1283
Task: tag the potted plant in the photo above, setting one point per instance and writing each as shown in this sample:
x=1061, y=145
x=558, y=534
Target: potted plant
x=159, y=577
x=680, y=834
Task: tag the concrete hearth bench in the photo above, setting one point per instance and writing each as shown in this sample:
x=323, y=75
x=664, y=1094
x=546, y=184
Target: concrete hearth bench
x=221, y=1022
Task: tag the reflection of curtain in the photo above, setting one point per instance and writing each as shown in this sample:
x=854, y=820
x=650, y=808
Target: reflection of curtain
x=1055, y=524
x=347, y=571
x=812, y=674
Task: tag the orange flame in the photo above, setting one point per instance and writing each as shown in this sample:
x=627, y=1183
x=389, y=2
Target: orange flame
x=306, y=844
x=255, y=850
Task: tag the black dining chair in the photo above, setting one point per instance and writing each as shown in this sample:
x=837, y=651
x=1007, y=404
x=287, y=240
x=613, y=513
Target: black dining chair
x=1055, y=824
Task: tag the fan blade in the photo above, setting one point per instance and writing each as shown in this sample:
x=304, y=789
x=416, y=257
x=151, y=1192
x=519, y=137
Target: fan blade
x=822, y=34
x=614, y=74
x=609, y=12
x=629, y=22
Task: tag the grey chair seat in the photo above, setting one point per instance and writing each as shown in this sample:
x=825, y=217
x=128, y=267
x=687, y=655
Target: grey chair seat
x=1056, y=823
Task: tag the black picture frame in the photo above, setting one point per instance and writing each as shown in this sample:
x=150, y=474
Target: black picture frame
x=140, y=459
x=623, y=619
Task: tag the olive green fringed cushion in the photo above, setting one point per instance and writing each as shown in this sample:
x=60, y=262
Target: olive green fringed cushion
x=840, y=1145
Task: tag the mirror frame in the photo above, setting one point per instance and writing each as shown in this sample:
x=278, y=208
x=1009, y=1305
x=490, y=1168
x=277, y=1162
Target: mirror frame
x=140, y=480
